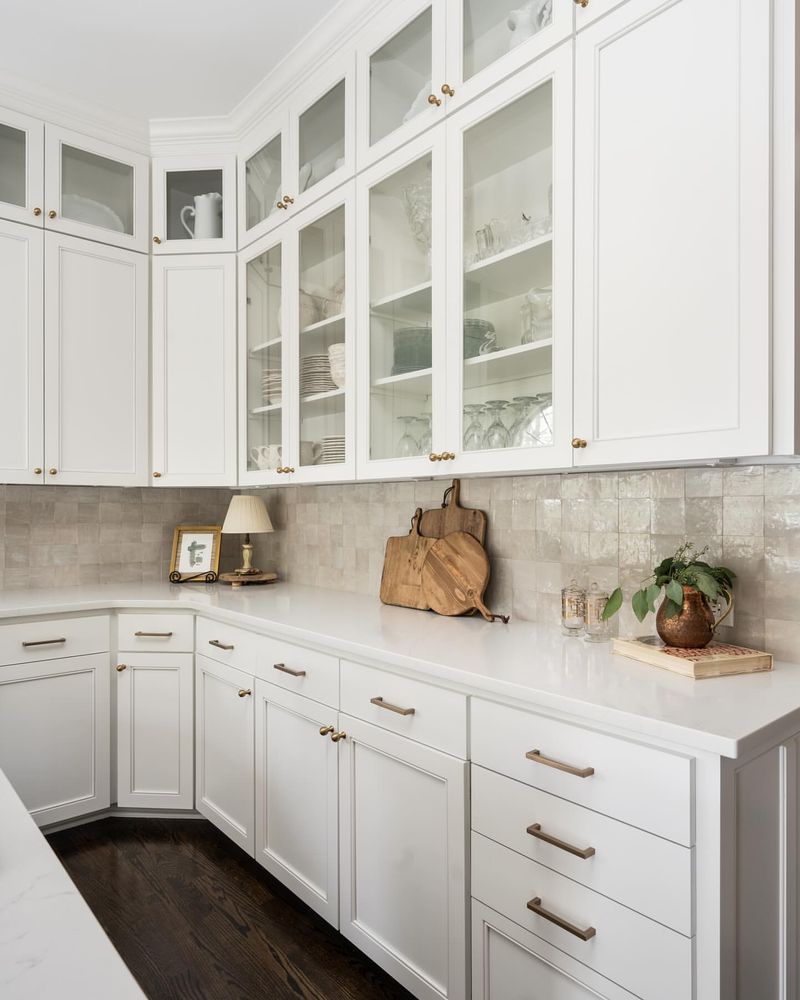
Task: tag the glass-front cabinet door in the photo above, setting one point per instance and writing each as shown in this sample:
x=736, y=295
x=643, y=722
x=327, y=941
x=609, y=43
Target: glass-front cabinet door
x=262, y=166
x=95, y=190
x=403, y=87
x=509, y=294
x=401, y=311
x=194, y=204
x=21, y=168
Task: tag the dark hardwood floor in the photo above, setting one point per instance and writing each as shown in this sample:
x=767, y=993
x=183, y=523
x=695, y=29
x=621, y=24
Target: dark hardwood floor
x=194, y=918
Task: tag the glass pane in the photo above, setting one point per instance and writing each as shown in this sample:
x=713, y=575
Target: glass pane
x=264, y=362
x=494, y=27
x=400, y=77
x=12, y=165
x=322, y=138
x=194, y=204
x=400, y=313
x=263, y=172
x=508, y=277
x=96, y=191
x=322, y=341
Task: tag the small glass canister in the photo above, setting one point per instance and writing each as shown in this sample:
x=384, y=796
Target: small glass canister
x=573, y=609
x=598, y=629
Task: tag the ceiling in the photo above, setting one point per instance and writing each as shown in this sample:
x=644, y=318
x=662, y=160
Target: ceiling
x=153, y=58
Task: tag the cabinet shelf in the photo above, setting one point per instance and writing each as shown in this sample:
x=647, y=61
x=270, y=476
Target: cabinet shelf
x=417, y=383
x=323, y=403
x=510, y=365
x=508, y=274
x=323, y=324
x=416, y=299
x=270, y=408
x=267, y=344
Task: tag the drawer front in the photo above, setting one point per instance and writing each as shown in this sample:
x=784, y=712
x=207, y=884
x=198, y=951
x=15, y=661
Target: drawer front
x=648, y=788
x=420, y=711
x=305, y=671
x=641, y=955
x=227, y=644
x=155, y=633
x=53, y=639
x=638, y=869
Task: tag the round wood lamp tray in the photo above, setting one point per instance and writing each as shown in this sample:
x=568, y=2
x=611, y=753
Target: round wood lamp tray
x=240, y=579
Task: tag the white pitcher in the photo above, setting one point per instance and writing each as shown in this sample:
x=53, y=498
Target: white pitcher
x=207, y=216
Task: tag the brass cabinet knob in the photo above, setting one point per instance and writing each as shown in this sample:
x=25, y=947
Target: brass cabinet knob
x=157, y=240
x=433, y=457
x=338, y=736
x=326, y=730
x=280, y=204
x=121, y=667
x=579, y=442
x=156, y=475
x=290, y=469
x=244, y=692
x=447, y=90
x=37, y=471
x=448, y=456
x=287, y=200
x=53, y=472
x=51, y=214
x=434, y=100
x=582, y=3
x=37, y=212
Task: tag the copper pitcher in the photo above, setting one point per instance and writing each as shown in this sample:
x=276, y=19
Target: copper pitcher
x=694, y=627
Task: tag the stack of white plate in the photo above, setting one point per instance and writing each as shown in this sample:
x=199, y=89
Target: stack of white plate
x=315, y=374
x=333, y=449
x=271, y=385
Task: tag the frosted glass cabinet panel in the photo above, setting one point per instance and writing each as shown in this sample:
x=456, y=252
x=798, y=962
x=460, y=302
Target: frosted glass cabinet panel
x=21, y=168
x=194, y=204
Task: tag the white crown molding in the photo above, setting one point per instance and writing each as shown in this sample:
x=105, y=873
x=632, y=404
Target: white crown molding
x=31, y=98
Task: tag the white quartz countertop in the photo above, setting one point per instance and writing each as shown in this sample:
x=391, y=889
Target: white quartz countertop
x=529, y=663
x=50, y=943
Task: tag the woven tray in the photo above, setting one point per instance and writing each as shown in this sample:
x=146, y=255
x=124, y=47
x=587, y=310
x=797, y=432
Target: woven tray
x=720, y=659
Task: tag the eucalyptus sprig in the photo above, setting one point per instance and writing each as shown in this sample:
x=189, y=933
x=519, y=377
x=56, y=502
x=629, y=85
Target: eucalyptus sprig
x=684, y=569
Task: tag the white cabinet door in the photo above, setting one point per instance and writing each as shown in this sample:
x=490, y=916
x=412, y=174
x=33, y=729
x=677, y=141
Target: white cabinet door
x=263, y=169
x=155, y=732
x=194, y=370
x=672, y=238
x=96, y=332
x=403, y=827
x=54, y=725
x=21, y=353
x=21, y=168
x=194, y=204
x=297, y=786
x=224, y=750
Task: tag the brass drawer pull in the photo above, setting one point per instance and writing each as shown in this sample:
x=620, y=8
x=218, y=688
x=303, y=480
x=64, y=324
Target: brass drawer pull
x=288, y=670
x=326, y=730
x=579, y=772
x=44, y=642
x=153, y=635
x=244, y=692
x=337, y=737
x=120, y=667
x=535, y=906
x=535, y=830
x=380, y=703
x=219, y=645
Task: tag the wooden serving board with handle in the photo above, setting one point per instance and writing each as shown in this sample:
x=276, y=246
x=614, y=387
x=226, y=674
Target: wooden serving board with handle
x=451, y=516
x=455, y=576
x=401, y=583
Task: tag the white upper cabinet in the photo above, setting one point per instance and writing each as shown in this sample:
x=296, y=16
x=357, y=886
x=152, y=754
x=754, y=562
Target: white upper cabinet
x=21, y=353
x=95, y=190
x=672, y=233
x=194, y=204
x=587, y=11
x=21, y=168
x=263, y=170
x=96, y=331
x=194, y=370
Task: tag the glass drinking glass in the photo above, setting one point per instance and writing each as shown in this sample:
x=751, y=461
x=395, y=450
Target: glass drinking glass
x=407, y=446
x=540, y=427
x=425, y=438
x=518, y=436
x=473, y=428
x=496, y=434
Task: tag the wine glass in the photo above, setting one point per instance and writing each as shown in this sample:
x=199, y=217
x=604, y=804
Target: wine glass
x=496, y=435
x=407, y=446
x=473, y=429
x=540, y=427
x=517, y=434
x=425, y=438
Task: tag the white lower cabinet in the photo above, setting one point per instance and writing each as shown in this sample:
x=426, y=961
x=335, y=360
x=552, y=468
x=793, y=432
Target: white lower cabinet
x=224, y=755
x=402, y=828
x=297, y=796
x=54, y=734
x=155, y=740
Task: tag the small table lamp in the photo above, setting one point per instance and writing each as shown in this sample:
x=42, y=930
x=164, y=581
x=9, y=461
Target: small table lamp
x=246, y=515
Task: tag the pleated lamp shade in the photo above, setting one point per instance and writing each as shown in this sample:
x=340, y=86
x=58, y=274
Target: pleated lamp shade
x=246, y=516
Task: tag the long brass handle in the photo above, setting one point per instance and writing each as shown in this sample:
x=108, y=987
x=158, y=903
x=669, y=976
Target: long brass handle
x=579, y=772
x=44, y=642
x=326, y=730
x=535, y=830
x=288, y=670
x=380, y=703
x=244, y=692
x=219, y=645
x=338, y=736
x=120, y=667
x=535, y=906
x=153, y=635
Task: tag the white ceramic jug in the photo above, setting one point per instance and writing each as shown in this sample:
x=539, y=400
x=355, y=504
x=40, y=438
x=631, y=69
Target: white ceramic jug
x=207, y=215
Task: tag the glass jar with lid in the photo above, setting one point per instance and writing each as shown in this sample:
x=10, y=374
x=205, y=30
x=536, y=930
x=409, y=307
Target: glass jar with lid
x=573, y=609
x=598, y=629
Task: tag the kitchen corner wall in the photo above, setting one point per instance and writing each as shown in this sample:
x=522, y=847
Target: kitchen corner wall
x=60, y=536
x=544, y=530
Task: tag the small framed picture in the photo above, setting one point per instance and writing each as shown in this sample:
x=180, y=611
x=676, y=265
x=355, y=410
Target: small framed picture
x=195, y=553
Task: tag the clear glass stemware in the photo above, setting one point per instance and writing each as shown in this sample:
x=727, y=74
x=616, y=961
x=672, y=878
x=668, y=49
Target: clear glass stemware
x=473, y=428
x=517, y=434
x=496, y=433
x=407, y=446
x=425, y=438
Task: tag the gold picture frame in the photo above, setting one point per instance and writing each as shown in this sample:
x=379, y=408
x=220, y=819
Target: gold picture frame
x=195, y=553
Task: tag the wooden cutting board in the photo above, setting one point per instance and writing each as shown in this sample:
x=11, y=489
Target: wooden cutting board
x=451, y=516
x=455, y=576
x=401, y=583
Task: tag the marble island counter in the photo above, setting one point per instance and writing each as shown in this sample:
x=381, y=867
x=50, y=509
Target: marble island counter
x=522, y=662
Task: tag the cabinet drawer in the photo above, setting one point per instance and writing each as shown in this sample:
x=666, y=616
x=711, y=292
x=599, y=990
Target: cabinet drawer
x=57, y=637
x=155, y=633
x=638, y=869
x=638, y=784
x=304, y=671
x=227, y=644
x=425, y=713
x=641, y=955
